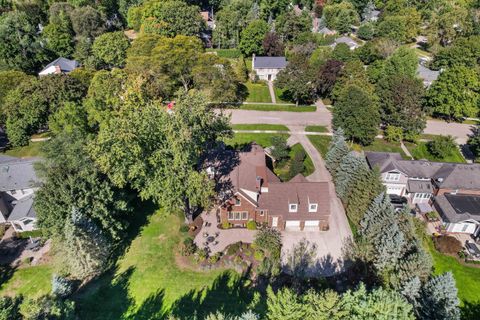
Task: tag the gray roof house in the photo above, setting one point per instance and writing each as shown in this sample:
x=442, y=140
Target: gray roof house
x=267, y=68
x=18, y=182
x=427, y=75
x=59, y=66
x=352, y=44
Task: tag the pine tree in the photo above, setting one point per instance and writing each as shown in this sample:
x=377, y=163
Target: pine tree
x=86, y=249
x=284, y=305
x=326, y=305
x=346, y=174
x=389, y=246
x=379, y=215
x=439, y=299
x=337, y=150
x=411, y=290
x=366, y=187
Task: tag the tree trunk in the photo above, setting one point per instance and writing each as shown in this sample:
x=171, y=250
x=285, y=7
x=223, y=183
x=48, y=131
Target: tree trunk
x=188, y=212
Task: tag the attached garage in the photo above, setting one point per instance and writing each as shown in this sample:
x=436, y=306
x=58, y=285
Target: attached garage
x=292, y=225
x=311, y=225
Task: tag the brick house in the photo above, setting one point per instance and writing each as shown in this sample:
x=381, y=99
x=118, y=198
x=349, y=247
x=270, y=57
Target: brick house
x=256, y=193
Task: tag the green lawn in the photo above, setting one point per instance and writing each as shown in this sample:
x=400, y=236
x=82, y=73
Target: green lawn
x=420, y=151
x=263, y=139
x=316, y=129
x=278, y=107
x=258, y=92
x=260, y=126
x=321, y=143
x=32, y=150
x=282, y=172
x=279, y=95
x=467, y=278
x=28, y=281
x=381, y=145
x=148, y=282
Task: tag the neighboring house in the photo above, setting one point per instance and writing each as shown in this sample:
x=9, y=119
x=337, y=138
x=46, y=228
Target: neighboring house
x=18, y=183
x=448, y=186
x=59, y=66
x=352, y=44
x=267, y=68
x=255, y=193
x=427, y=75
x=327, y=32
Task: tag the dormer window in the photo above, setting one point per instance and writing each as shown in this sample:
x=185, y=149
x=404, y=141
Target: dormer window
x=238, y=202
x=293, y=207
x=312, y=207
x=392, y=176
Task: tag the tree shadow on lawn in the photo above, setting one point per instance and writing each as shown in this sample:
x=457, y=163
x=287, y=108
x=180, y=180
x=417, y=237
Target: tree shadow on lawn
x=228, y=294
x=470, y=311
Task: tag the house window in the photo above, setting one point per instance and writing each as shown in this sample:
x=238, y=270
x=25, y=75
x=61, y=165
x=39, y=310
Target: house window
x=262, y=212
x=392, y=176
x=244, y=215
x=465, y=227
x=238, y=202
x=312, y=207
x=238, y=215
x=293, y=207
x=231, y=215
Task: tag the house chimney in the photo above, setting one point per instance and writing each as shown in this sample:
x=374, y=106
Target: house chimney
x=258, y=182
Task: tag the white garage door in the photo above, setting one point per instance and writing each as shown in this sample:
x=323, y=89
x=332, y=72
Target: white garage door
x=311, y=225
x=292, y=225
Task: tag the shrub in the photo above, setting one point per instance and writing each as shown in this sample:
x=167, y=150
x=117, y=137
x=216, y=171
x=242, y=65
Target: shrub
x=227, y=53
x=269, y=240
x=189, y=247
x=9, y=308
x=447, y=244
x=28, y=234
x=226, y=225
x=234, y=248
x=61, y=286
x=2, y=230
x=214, y=259
x=184, y=228
x=259, y=255
x=202, y=255
x=366, y=31
x=442, y=146
x=393, y=134
x=251, y=225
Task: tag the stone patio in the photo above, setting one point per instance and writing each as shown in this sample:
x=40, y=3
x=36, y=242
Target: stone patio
x=224, y=238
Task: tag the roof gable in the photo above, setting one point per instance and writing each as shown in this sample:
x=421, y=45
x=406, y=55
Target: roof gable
x=269, y=62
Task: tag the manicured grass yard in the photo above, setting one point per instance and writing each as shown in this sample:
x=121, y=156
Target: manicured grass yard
x=282, y=170
x=263, y=139
x=29, y=281
x=148, y=282
x=467, y=278
x=279, y=95
x=260, y=126
x=420, y=151
x=321, y=143
x=32, y=150
x=316, y=129
x=278, y=107
x=258, y=92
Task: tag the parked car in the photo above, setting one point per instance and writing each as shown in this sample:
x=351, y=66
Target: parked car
x=473, y=249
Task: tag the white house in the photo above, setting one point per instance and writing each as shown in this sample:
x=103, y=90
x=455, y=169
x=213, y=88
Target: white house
x=267, y=68
x=18, y=183
x=59, y=66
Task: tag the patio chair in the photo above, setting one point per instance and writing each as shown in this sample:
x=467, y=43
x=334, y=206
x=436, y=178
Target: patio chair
x=205, y=234
x=215, y=243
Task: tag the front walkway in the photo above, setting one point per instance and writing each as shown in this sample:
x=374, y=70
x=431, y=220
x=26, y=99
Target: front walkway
x=224, y=238
x=272, y=92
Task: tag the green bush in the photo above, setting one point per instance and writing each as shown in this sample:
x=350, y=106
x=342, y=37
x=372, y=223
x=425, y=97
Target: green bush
x=366, y=31
x=2, y=230
x=442, y=146
x=28, y=234
x=234, y=248
x=184, y=228
x=393, y=134
x=214, y=259
x=251, y=225
x=259, y=255
x=189, y=247
x=226, y=225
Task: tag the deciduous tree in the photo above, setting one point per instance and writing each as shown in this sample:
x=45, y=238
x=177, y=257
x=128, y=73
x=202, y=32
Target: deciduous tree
x=252, y=38
x=110, y=49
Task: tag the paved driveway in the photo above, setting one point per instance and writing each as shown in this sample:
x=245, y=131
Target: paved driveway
x=460, y=131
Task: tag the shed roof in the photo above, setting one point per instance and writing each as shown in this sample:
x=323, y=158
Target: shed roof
x=65, y=65
x=269, y=62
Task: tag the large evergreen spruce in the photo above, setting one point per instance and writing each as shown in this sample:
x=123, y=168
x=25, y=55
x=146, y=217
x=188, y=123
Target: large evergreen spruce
x=439, y=299
x=338, y=149
x=347, y=173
